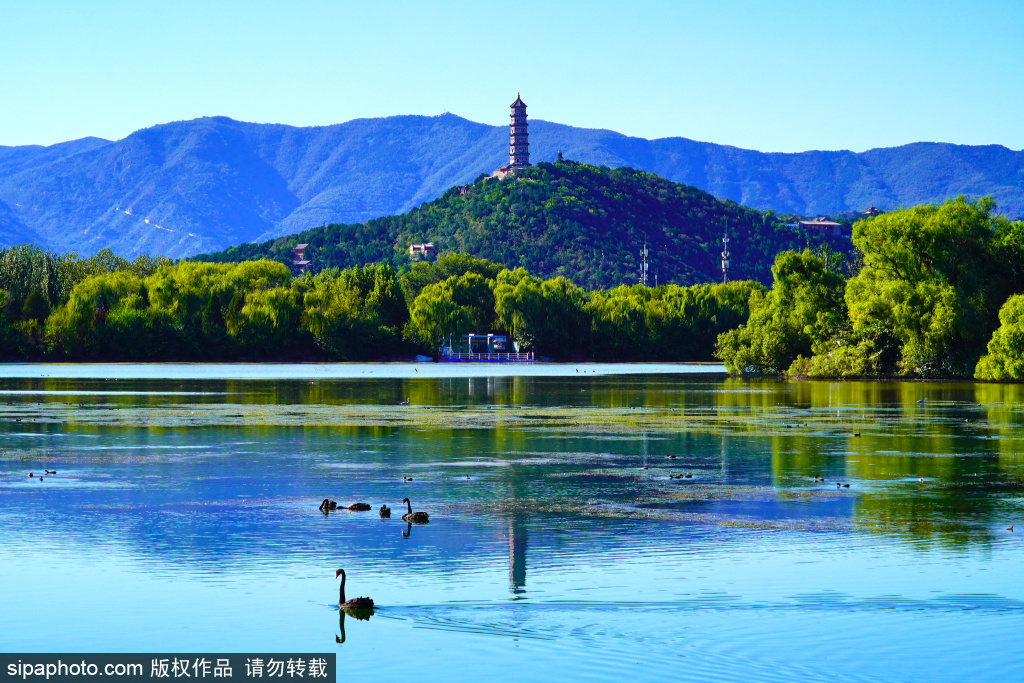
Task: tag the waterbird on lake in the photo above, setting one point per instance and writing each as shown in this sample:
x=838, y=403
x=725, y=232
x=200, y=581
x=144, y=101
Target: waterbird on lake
x=404, y=478
x=671, y=457
x=404, y=403
x=354, y=603
x=385, y=512
x=328, y=505
x=419, y=517
x=358, y=507
x=856, y=433
x=30, y=474
x=644, y=467
x=687, y=476
x=920, y=478
x=920, y=401
x=1009, y=528
x=50, y=472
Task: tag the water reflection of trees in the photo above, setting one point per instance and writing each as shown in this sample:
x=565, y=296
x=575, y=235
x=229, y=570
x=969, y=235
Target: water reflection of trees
x=888, y=435
x=966, y=440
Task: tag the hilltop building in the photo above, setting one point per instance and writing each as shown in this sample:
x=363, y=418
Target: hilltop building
x=419, y=252
x=822, y=224
x=518, y=141
x=299, y=259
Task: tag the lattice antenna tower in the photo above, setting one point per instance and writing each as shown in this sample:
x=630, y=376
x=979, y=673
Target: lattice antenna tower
x=643, y=263
x=725, y=254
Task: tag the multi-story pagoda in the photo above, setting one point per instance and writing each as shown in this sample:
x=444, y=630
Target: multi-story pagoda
x=518, y=140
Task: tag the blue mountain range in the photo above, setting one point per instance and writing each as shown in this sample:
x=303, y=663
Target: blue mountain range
x=197, y=186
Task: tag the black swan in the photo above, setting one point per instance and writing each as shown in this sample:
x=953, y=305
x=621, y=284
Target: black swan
x=410, y=516
x=358, y=507
x=328, y=505
x=354, y=603
x=385, y=512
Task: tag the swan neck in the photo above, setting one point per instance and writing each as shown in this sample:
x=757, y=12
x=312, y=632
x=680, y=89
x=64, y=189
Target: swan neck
x=409, y=503
x=341, y=594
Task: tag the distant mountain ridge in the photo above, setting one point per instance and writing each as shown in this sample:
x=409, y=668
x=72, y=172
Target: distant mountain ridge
x=197, y=186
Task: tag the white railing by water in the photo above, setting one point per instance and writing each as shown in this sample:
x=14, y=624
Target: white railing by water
x=489, y=357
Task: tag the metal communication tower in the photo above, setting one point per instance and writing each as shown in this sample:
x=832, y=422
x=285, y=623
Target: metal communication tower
x=643, y=263
x=725, y=256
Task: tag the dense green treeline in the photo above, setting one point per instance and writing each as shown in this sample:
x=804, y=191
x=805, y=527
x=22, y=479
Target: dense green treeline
x=582, y=222
x=106, y=308
x=933, y=291
x=929, y=291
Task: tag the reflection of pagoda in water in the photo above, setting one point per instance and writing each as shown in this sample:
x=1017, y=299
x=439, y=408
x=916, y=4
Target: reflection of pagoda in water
x=516, y=554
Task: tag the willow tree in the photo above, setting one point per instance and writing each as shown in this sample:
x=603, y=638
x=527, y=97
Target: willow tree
x=804, y=306
x=933, y=281
x=452, y=308
x=547, y=316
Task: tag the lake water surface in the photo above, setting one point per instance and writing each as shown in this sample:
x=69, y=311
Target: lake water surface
x=565, y=542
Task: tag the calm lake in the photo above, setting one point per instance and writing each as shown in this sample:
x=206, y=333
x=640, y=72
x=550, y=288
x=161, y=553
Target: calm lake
x=586, y=522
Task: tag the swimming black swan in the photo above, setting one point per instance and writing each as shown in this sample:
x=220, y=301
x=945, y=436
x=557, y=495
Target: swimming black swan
x=328, y=505
x=385, y=512
x=419, y=517
x=358, y=507
x=354, y=603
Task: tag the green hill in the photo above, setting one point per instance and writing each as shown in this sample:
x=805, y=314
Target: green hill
x=587, y=223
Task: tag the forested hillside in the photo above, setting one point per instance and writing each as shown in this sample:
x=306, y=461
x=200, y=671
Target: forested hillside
x=586, y=223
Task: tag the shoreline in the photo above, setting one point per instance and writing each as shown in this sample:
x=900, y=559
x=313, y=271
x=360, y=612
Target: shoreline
x=326, y=371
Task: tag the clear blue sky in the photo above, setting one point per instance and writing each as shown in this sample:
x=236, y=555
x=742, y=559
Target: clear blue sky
x=773, y=76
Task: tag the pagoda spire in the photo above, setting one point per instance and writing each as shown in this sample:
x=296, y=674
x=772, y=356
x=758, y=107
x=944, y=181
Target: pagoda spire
x=519, y=138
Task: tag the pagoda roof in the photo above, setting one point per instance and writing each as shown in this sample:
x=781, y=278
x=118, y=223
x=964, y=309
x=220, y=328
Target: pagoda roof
x=519, y=101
